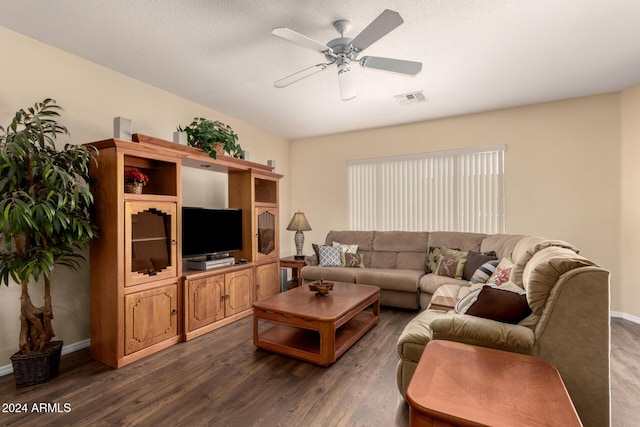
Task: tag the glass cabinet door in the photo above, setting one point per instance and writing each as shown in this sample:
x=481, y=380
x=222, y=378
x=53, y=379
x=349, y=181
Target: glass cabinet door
x=150, y=241
x=266, y=223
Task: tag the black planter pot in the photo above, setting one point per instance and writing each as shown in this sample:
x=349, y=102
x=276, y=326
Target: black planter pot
x=31, y=369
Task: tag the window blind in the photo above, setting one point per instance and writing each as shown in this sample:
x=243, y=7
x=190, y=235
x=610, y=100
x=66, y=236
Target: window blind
x=461, y=190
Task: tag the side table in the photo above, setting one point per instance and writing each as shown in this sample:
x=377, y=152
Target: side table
x=295, y=265
x=459, y=384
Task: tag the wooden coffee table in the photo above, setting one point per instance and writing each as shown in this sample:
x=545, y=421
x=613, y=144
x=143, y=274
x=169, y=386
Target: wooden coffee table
x=318, y=329
x=458, y=384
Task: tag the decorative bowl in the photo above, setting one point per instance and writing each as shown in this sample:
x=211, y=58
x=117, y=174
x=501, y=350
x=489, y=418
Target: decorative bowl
x=321, y=288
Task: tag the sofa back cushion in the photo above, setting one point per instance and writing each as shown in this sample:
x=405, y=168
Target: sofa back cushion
x=456, y=240
x=501, y=244
x=526, y=248
x=543, y=271
x=406, y=250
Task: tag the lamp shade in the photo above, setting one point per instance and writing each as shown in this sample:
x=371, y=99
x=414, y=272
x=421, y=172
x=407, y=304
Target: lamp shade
x=299, y=222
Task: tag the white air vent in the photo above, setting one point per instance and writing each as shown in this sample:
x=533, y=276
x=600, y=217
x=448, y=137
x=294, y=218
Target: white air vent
x=410, y=98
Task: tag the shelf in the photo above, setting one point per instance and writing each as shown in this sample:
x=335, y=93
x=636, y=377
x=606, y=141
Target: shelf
x=308, y=341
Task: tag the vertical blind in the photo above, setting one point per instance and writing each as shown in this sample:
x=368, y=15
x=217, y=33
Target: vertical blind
x=460, y=190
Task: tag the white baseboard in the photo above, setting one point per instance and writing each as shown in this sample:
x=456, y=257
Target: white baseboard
x=625, y=316
x=7, y=369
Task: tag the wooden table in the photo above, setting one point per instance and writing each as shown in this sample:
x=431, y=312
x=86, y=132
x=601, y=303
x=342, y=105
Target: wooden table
x=463, y=385
x=295, y=265
x=318, y=329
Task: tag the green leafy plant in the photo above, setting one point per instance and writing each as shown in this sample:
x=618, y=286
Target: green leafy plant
x=204, y=133
x=44, y=211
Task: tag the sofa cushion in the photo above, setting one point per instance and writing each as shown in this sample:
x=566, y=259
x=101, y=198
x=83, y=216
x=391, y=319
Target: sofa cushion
x=544, y=269
x=416, y=335
x=526, y=248
x=394, y=279
x=364, y=239
x=456, y=239
x=501, y=244
x=431, y=282
x=335, y=274
x=399, y=249
x=400, y=241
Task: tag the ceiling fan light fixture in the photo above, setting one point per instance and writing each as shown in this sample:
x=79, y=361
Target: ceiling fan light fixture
x=343, y=50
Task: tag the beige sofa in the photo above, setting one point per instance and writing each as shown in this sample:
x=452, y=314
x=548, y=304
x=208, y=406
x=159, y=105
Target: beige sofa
x=567, y=293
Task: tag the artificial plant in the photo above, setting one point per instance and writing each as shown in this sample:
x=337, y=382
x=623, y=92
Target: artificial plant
x=44, y=212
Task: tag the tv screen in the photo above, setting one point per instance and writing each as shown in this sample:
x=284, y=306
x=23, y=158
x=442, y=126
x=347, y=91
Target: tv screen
x=210, y=231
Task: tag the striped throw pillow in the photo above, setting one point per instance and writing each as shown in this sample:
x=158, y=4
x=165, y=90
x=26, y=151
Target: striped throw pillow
x=483, y=272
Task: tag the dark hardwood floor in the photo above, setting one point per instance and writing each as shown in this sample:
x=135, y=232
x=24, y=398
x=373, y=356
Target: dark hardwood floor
x=221, y=379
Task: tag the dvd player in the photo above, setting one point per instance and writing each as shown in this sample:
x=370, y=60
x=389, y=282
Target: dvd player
x=211, y=263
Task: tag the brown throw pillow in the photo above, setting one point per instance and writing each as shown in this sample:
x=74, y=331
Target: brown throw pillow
x=500, y=305
x=475, y=261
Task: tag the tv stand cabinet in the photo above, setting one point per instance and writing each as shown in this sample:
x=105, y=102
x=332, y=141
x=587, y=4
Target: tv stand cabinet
x=141, y=302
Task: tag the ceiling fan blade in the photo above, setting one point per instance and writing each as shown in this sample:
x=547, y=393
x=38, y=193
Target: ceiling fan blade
x=379, y=27
x=299, y=39
x=347, y=83
x=286, y=81
x=394, y=65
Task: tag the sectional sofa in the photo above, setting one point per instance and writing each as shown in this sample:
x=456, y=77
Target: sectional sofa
x=566, y=293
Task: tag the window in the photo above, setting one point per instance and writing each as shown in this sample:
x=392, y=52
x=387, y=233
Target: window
x=460, y=190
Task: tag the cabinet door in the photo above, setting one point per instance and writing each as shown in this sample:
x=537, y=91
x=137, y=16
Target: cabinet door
x=267, y=233
x=150, y=242
x=239, y=287
x=267, y=280
x=150, y=317
x=205, y=301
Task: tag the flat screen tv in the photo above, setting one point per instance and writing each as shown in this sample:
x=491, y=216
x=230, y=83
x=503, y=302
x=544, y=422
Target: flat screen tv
x=210, y=231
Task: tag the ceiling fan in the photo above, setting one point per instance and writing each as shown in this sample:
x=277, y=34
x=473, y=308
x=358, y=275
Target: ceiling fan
x=342, y=51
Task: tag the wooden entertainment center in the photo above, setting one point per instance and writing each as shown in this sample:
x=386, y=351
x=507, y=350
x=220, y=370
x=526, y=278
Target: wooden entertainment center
x=142, y=300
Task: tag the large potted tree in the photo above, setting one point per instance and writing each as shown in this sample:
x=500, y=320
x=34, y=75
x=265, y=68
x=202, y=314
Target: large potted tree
x=44, y=221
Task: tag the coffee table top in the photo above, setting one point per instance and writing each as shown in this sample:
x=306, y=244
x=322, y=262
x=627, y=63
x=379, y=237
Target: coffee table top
x=302, y=302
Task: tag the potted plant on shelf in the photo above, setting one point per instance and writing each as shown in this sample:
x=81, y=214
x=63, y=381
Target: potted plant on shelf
x=214, y=137
x=134, y=180
x=45, y=218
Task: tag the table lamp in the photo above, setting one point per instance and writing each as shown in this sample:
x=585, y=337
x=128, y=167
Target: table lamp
x=299, y=224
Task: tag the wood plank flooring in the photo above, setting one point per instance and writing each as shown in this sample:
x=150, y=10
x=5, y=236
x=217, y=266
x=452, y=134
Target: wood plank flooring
x=221, y=379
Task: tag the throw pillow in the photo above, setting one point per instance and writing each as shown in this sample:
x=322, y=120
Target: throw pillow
x=450, y=267
x=501, y=305
x=466, y=301
x=349, y=249
x=351, y=260
x=329, y=256
x=483, y=272
x=474, y=261
x=450, y=262
x=502, y=273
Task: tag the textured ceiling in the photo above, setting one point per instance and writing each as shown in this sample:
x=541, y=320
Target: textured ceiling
x=477, y=55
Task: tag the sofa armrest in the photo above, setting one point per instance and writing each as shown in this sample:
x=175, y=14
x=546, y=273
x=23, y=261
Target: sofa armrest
x=483, y=332
x=311, y=260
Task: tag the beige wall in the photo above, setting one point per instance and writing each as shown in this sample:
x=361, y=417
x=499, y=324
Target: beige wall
x=92, y=96
x=562, y=170
x=630, y=207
